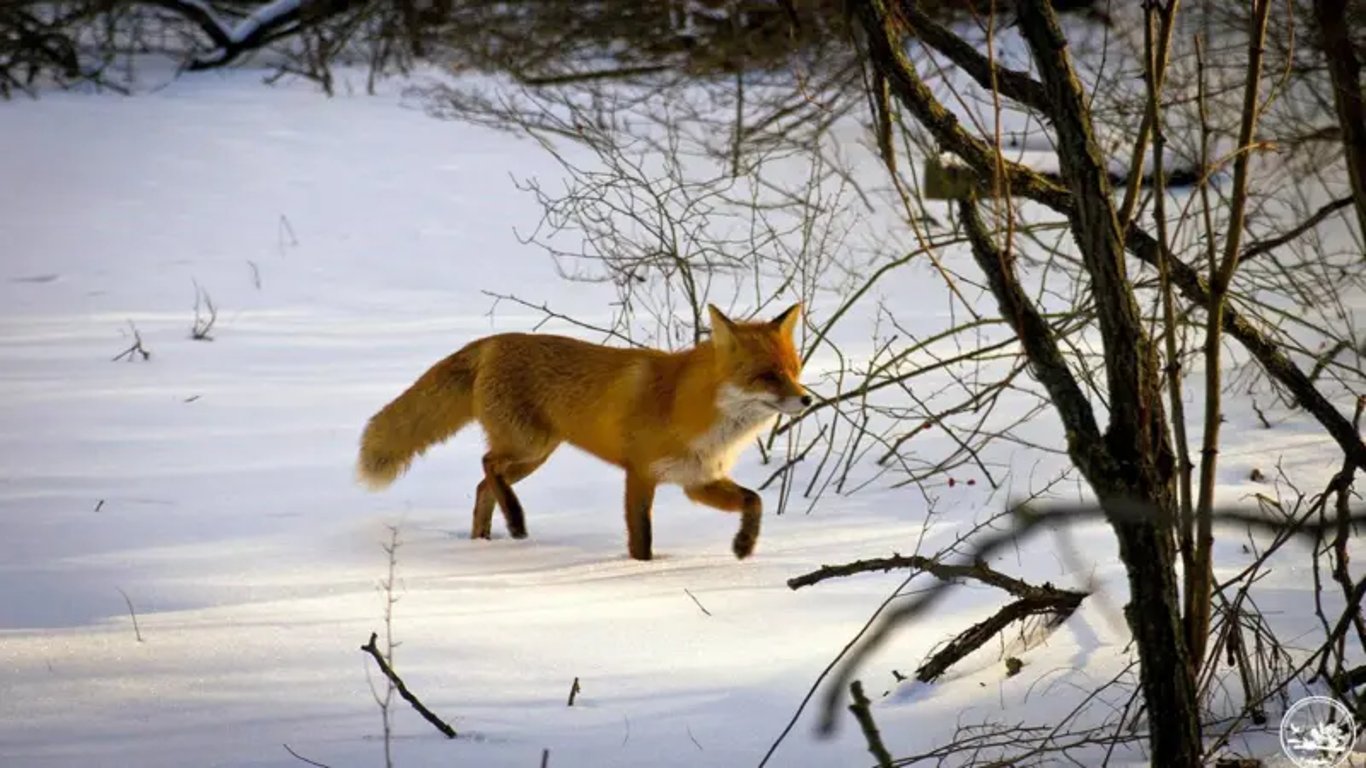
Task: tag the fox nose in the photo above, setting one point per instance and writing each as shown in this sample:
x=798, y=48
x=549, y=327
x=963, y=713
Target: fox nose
x=806, y=401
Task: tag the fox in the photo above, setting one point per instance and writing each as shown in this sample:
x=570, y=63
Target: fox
x=677, y=418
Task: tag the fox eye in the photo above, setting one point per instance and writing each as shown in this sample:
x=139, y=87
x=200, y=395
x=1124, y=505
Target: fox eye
x=769, y=377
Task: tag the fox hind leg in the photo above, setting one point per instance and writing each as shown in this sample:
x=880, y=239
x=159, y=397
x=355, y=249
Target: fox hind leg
x=500, y=473
x=495, y=482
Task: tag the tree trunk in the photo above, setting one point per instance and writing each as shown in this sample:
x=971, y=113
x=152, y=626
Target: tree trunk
x=1345, y=70
x=1136, y=439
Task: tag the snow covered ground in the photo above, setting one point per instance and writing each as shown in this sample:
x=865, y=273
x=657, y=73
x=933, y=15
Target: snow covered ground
x=345, y=243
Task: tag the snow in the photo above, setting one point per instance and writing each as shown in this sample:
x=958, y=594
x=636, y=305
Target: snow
x=213, y=482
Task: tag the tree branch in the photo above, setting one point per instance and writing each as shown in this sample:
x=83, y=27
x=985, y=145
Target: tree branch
x=884, y=40
x=1011, y=83
x=916, y=96
x=1267, y=353
x=1095, y=227
x=1263, y=246
x=1084, y=443
x=201, y=15
x=265, y=24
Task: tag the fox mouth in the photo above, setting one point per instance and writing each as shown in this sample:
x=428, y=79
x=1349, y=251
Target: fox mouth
x=787, y=408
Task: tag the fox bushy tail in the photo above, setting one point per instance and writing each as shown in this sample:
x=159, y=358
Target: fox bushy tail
x=435, y=407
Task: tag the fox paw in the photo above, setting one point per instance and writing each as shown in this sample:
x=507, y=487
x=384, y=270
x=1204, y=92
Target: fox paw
x=743, y=545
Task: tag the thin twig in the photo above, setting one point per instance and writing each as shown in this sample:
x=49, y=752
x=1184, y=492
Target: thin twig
x=573, y=692
x=1200, y=576
x=135, y=348
x=1264, y=246
x=387, y=587
x=790, y=463
x=285, y=229
x=203, y=324
x=551, y=314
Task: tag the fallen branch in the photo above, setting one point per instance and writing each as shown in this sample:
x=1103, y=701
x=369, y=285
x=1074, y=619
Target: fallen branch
x=1056, y=606
x=1048, y=600
x=700, y=606
x=596, y=74
x=137, y=632
x=573, y=692
x=1028, y=519
x=403, y=691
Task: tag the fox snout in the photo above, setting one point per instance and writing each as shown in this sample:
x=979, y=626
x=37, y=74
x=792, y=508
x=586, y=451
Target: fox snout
x=790, y=399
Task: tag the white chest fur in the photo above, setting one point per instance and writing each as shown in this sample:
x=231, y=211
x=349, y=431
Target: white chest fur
x=740, y=416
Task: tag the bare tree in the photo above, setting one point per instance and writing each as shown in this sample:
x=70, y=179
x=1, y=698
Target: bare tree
x=1163, y=278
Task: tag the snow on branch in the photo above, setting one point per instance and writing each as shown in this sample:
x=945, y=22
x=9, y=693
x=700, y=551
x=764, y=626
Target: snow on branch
x=270, y=15
x=258, y=28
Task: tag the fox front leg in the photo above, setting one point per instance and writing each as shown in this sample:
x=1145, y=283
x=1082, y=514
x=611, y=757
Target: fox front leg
x=729, y=496
x=640, y=499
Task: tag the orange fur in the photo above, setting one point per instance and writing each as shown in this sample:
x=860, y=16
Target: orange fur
x=664, y=417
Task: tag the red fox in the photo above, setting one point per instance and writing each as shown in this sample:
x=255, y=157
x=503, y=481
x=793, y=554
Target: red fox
x=679, y=417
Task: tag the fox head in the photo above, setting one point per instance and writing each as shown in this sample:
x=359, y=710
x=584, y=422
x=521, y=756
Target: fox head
x=759, y=360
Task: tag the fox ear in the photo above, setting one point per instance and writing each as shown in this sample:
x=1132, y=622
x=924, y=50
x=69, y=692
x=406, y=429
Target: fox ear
x=787, y=321
x=722, y=327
